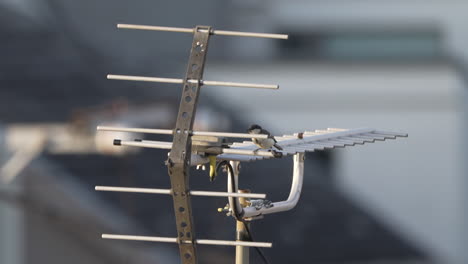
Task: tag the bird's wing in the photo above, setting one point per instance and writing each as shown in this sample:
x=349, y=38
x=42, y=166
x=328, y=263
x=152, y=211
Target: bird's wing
x=264, y=131
x=316, y=140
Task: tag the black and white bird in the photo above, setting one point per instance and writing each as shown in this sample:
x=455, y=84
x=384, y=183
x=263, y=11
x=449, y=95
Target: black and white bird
x=264, y=143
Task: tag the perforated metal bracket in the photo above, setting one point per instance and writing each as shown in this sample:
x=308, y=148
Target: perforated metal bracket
x=179, y=158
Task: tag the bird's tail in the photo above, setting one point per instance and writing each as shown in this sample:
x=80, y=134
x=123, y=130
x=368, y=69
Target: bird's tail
x=277, y=146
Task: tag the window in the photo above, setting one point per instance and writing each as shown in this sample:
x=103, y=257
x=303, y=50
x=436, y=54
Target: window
x=385, y=45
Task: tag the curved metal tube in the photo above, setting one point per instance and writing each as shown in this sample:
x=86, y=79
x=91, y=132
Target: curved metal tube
x=294, y=195
x=233, y=186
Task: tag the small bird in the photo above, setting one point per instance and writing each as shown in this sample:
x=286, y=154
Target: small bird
x=264, y=143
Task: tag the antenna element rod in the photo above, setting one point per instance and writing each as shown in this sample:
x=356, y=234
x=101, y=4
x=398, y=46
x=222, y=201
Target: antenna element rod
x=180, y=81
x=197, y=241
x=213, y=32
x=169, y=191
x=170, y=132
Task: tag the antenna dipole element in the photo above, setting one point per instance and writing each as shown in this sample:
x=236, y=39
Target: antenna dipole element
x=180, y=81
x=197, y=29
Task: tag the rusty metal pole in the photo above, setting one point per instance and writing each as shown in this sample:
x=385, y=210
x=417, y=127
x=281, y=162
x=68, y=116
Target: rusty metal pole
x=242, y=253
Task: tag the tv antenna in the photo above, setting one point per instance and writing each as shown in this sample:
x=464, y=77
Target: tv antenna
x=194, y=148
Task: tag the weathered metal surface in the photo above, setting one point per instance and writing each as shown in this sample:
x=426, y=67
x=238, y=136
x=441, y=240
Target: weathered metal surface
x=178, y=162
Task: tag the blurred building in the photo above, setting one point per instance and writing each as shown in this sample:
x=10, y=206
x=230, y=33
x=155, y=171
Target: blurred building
x=390, y=65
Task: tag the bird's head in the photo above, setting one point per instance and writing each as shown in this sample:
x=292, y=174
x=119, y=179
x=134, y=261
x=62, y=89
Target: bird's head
x=254, y=129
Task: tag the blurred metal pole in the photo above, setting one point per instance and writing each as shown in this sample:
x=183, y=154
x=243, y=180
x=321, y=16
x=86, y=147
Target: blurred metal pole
x=461, y=66
x=464, y=240
x=242, y=253
x=11, y=217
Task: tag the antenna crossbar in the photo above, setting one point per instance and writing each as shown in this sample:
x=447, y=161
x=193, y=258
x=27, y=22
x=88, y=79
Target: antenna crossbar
x=170, y=132
x=196, y=241
x=212, y=31
x=209, y=150
x=191, y=81
x=170, y=192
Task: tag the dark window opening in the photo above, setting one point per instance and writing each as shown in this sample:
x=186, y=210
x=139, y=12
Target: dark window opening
x=382, y=45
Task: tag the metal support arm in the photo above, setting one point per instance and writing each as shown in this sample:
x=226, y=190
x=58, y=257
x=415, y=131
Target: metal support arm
x=294, y=195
